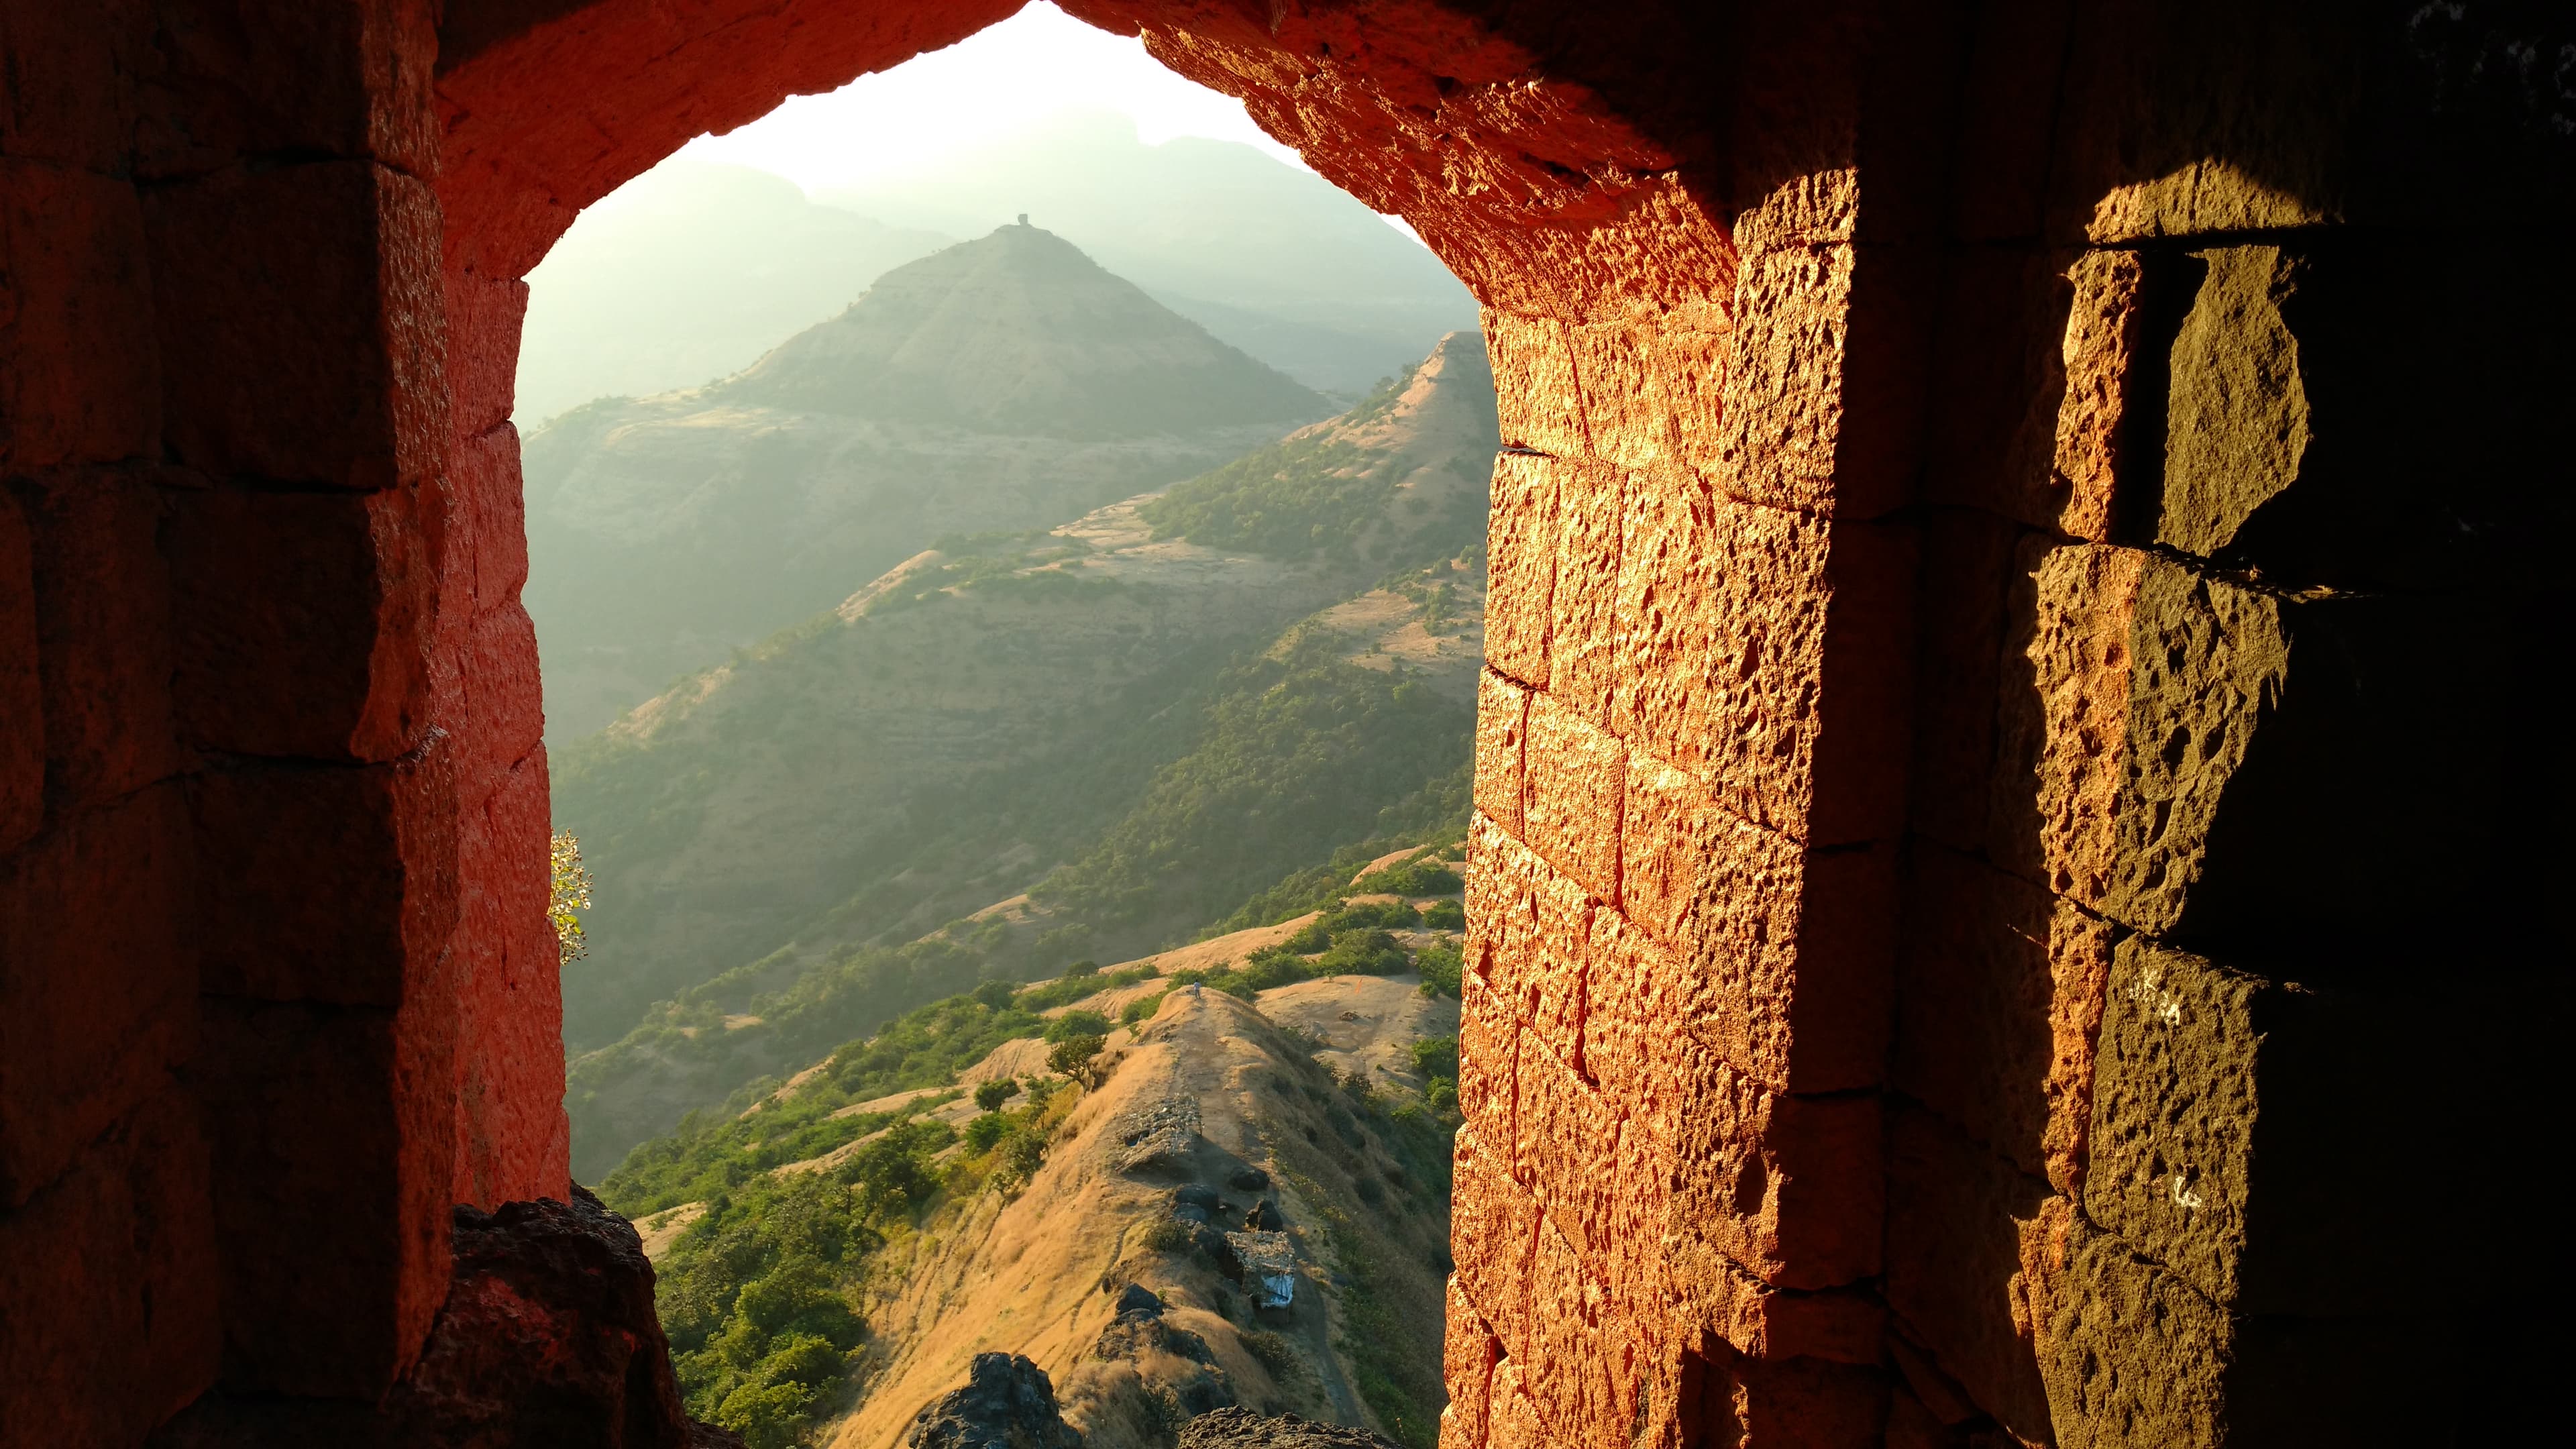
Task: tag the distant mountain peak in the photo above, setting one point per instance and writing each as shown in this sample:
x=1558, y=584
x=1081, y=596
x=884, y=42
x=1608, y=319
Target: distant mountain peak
x=1020, y=332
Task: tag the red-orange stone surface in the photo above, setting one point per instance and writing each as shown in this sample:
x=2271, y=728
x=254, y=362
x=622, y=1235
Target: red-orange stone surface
x=1924, y=576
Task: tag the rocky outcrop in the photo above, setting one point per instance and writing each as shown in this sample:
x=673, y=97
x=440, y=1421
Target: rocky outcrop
x=1244, y=1429
x=548, y=1340
x=1007, y=1403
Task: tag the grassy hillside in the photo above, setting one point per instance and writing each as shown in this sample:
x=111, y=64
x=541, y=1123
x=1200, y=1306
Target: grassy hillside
x=792, y=1217
x=1135, y=732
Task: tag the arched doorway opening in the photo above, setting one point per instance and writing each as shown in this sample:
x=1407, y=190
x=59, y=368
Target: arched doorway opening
x=1979, y=573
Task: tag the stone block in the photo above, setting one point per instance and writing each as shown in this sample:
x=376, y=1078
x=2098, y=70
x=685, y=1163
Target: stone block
x=1768, y=653
x=1489, y=1043
x=1721, y=643
x=1627, y=412
x=97, y=993
x=22, y=745
x=1968, y=558
x=1502, y=726
x=303, y=621
x=1493, y=1231
x=1790, y=1188
x=1574, y=1349
x=110, y=1278
x=236, y=77
x=1534, y=382
x=511, y=1132
x=1469, y=1352
x=1582, y=643
x=103, y=616
x=76, y=110
x=1999, y=995
x=326, y=884
x=1961, y=1222
x=484, y=319
x=505, y=693
x=1864, y=707
x=2133, y=690
x=1795, y=1403
x=80, y=373
x=1520, y=575
x=1576, y=778
x=1823, y=407
x=2132, y=1358
x=1566, y=1149
x=2100, y=365
x=2176, y=1102
x=1512, y=1422
x=308, y=302
x=1691, y=352
x=2237, y=416
x=1715, y=1299
x=334, y=1137
x=1998, y=385
x=1527, y=925
x=1785, y=955
x=489, y=514
x=1783, y=403
x=1638, y=1003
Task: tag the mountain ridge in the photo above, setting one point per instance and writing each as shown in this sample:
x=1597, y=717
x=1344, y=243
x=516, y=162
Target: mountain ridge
x=666, y=532
x=1098, y=695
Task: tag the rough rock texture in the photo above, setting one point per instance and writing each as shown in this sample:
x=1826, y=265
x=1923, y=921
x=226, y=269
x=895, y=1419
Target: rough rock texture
x=1244, y=1429
x=547, y=1338
x=2003, y=502
x=1007, y=1403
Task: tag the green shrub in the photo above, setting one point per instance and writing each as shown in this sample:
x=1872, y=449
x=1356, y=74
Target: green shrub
x=767, y=1416
x=1081, y=969
x=1164, y=1235
x=1436, y=1056
x=1445, y=916
x=1424, y=875
x=1363, y=953
x=1076, y=1023
x=1074, y=1057
x=1362, y=914
x=1312, y=937
x=992, y=1094
x=995, y=994
x=1442, y=969
x=984, y=1131
x=1141, y=1009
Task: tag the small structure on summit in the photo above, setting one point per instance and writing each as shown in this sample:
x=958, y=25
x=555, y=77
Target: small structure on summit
x=1269, y=1267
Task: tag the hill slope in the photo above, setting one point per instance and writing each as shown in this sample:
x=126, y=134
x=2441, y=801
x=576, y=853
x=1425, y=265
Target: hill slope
x=1273, y=259
x=1002, y=383
x=838, y=1250
x=1140, y=728
x=687, y=273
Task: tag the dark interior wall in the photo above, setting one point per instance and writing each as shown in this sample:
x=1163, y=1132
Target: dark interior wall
x=2015, y=879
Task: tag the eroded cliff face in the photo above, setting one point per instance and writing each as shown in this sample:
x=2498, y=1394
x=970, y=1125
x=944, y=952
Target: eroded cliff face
x=2019, y=761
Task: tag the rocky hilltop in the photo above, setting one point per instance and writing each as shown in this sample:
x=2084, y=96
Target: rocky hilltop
x=1216, y=1177
x=1002, y=383
x=1119, y=728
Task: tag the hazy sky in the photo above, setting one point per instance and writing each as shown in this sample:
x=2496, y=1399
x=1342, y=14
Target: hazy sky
x=1000, y=81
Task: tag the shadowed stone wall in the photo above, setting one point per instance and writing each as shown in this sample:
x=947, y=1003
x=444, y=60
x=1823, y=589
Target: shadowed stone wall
x=2017, y=859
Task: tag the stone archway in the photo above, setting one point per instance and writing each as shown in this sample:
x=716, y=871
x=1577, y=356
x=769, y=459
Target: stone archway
x=1700, y=620
x=1984, y=601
